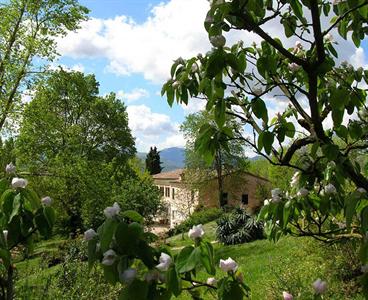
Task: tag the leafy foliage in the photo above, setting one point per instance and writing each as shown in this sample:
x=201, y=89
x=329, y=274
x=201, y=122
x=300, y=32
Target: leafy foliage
x=238, y=227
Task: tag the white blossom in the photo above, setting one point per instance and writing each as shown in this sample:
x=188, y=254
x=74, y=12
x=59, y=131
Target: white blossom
x=5, y=233
x=19, y=183
x=109, y=257
x=218, y=40
x=165, y=262
x=175, y=84
x=320, y=286
x=287, y=296
x=267, y=201
x=335, y=2
x=330, y=189
x=211, y=281
x=276, y=195
x=228, y=265
x=196, y=232
x=89, y=234
x=298, y=47
x=293, y=67
x=194, y=67
x=257, y=91
x=128, y=275
x=46, y=201
x=303, y=192
x=112, y=211
x=329, y=38
x=10, y=168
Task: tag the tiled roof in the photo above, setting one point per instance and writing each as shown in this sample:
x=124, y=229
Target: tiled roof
x=172, y=175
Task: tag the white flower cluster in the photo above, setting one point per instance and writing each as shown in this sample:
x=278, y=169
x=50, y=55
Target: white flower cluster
x=19, y=183
x=112, y=211
x=218, y=41
x=46, y=201
x=228, y=265
x=165, y=262
x=330, y=189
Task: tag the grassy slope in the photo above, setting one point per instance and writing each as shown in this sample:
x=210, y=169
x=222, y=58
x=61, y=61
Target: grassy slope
x=291, y=264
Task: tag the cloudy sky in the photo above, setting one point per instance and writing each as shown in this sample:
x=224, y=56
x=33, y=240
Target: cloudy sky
x=130, y=46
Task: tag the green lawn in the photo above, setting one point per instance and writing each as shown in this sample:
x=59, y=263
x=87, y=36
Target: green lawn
x=291, y=264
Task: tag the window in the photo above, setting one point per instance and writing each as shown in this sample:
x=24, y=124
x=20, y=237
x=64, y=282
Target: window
x=224, y=199
x=167, y=192
x=173, y=193
x=244, y=199
x=161, y=190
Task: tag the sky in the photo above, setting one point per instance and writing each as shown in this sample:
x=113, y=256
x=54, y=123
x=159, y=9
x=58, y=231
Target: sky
x=130, y=46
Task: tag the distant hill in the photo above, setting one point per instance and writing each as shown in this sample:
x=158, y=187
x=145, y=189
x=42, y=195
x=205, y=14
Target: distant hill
x=171, y=158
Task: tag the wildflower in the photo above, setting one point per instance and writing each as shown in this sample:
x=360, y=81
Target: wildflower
x=228, y=265
x=112, y=211
x=196, y=232
x=165, y=262
x=320, y=286
x=10, y=168
x=109, y=257
x=46, y=201
x=89, y=234
x=19, y=183
x=218, y=40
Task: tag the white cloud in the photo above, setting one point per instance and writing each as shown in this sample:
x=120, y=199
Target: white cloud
x=152, y=128
x=194, y=105
x=173, y=29
x=133, y=95
x=77, y=67
x=358, y=59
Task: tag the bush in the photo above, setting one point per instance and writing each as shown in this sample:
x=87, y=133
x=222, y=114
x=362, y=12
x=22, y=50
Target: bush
x=198, y=217
x=238, y=227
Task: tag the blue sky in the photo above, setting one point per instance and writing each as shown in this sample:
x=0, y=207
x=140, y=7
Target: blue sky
x=130, y=45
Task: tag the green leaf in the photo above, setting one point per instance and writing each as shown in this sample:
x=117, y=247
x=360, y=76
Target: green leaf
x=107, y=232
x=7, y=199
x=133, y=216
x=220, y=116
x=42, y=225
x=189, y=260
x=49, y=215
x=207, y=257
x=364, y=219
x=16, y=206
x=182, y=257
x=173, y=281
x=297, y=8
x=5, y=256
x=92, y=252
x=267, y=140
x=259, y=109
x=3, y=185
x=350, y=206
x=355, y=130
x=111, y=274
x=331, y=151
x=32, y=197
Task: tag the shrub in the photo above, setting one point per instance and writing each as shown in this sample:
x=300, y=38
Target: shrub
x=198, y=217
x=238, y=227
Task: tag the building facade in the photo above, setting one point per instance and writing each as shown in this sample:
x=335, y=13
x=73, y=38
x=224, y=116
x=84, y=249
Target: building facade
x=240, y=189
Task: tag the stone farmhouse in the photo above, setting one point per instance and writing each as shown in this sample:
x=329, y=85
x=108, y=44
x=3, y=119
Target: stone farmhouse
x=240, y=189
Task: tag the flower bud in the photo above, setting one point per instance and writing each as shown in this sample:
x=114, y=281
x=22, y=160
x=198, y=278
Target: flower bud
x=19, y=183
x=211, y=281
x=287, y=296
x=196, y=232
x=330, y=189
x=194, y=67
x=165, y=262
x=128, y=276
x=228, y=265
x=109, y=258
x=46, y=201
x=293, y=67
x=329, y=38
x=303, y=192
x=89, y=234
x=176, y=84
x=112, y=211
x=319, y=286
x=218, y=41
x=10, y=168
